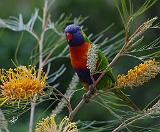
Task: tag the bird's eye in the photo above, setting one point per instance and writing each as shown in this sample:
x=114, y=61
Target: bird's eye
x=69, y=36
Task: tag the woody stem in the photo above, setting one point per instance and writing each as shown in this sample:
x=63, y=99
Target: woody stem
x=40, y=43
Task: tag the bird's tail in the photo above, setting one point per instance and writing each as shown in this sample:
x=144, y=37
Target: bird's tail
x=127, y=100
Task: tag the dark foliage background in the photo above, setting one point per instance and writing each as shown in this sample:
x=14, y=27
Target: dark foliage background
x=101, y=13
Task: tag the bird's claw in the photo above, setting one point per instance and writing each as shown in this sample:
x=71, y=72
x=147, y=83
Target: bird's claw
x=86, y=97
x=92, y=89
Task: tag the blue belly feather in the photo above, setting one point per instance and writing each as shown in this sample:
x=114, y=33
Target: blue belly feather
x=84, y=75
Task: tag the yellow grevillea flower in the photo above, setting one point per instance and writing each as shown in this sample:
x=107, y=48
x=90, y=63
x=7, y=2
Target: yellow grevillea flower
x=139, y=74
x=21, y=83
x=49, y=125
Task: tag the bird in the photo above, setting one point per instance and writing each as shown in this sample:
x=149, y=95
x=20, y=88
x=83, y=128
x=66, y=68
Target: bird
x=89, y=62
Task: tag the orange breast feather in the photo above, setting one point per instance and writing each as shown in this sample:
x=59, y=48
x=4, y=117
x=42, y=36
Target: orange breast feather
x=78, y=55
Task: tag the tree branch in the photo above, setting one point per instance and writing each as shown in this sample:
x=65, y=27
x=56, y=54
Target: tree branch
x=63, y=96
x=131, y=120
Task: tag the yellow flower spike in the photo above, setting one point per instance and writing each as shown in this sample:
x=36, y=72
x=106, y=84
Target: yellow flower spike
x=139, y=74
x=20, y=84
x=49, y=125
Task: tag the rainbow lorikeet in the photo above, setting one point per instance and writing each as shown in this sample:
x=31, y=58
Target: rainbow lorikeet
x=81, y=49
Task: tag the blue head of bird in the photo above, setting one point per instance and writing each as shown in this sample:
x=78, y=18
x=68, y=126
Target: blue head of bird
x=74, y=35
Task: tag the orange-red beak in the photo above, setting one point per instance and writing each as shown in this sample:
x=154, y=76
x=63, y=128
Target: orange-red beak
x=69, y=36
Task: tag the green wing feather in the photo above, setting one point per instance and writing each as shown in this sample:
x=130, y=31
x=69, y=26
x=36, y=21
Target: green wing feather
x=108, y=79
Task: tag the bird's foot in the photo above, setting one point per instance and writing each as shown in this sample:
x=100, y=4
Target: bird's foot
x=92, y=89
x=86, y=97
